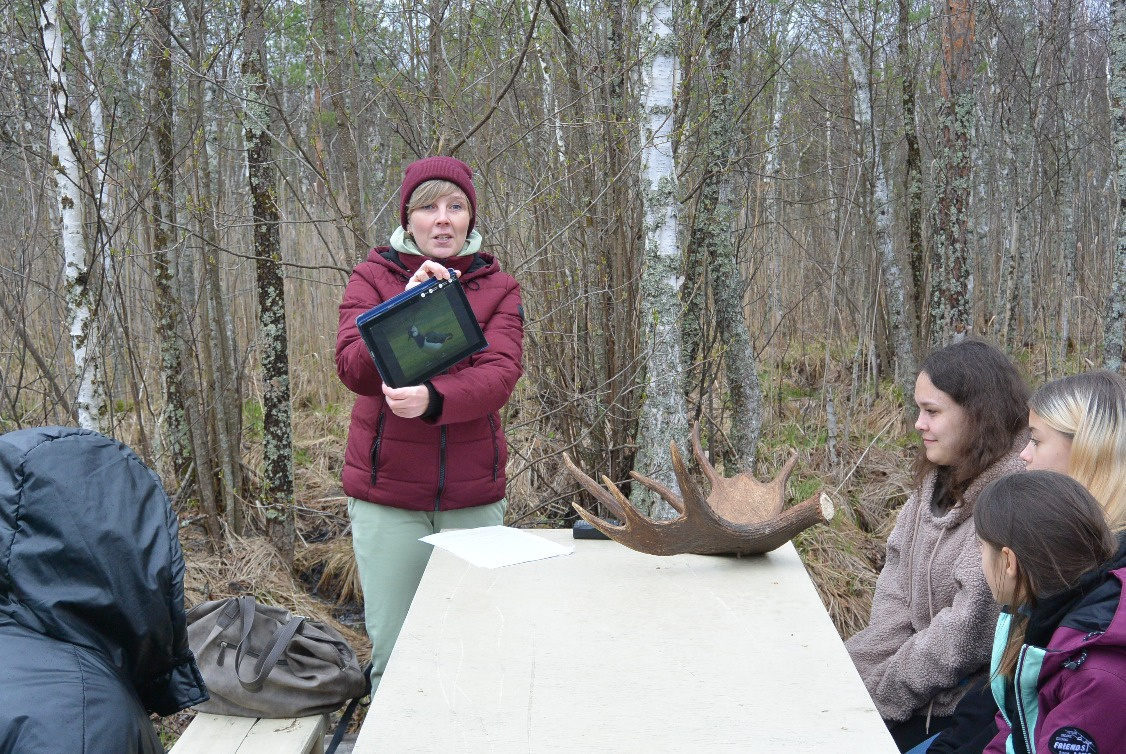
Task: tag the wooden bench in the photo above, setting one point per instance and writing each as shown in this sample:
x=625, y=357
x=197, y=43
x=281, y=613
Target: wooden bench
x=225, y=734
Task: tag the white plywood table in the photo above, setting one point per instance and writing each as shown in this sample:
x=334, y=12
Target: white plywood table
x=610, y=650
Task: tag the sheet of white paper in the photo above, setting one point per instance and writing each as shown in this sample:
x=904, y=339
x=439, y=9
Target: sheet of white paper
x=496, y=546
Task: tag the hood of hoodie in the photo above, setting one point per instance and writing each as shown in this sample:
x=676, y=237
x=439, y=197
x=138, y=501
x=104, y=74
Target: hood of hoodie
x=405, y=265
x=89, y=555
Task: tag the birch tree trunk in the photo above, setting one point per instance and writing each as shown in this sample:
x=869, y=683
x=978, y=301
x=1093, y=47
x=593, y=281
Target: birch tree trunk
x=952, y=273
x=174, y=417
x=104, y=214
x=872, y=158
x=1113, y=335
x=273, y=338
x=1064, y=179
x=772, y=189
x=89, y=404
x=663, y=412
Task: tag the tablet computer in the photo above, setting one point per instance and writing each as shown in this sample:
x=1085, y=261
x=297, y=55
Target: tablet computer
x=421, y=332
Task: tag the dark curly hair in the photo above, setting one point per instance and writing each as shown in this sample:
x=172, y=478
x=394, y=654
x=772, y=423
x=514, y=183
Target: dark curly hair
x=986, y=384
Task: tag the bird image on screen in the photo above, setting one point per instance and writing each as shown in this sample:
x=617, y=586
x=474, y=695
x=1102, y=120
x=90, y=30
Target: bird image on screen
x=421, y=332
x=430, y=341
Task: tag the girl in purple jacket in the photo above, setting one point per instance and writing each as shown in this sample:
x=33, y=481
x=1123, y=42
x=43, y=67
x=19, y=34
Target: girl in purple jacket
x=1058, y=668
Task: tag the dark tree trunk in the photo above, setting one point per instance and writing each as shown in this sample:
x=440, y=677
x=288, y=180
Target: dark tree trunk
x=951, y=308
x=273, y=340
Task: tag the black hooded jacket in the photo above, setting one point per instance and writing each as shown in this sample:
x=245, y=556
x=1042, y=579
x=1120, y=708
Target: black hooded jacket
x=92, y=629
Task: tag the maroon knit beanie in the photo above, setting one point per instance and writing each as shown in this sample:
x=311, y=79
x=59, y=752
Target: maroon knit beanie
x=437, y=168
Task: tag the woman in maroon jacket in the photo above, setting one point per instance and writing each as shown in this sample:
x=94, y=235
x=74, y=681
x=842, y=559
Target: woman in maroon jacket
x=427, y=457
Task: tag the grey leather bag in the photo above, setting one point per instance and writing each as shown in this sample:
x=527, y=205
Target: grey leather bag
x=261, y=661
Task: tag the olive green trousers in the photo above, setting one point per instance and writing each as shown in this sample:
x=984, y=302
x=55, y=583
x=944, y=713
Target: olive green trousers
x=391, y=560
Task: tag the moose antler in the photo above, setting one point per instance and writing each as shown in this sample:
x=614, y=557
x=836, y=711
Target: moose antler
x=741, y=515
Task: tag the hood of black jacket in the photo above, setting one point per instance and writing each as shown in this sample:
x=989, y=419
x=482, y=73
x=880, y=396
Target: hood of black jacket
x=1087, y=607
x=89, y=555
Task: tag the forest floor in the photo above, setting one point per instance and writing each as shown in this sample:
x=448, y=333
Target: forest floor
x=866, y=469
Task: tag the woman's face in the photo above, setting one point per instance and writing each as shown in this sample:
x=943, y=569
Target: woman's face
x=942, y=423
x=998, y=566
x=1047, y=449
x=440, y=228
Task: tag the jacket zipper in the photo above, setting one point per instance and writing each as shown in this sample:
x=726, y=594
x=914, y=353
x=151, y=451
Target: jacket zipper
x=375, y=447
x=441, y=469
x=1022, y=714
x=496, y=448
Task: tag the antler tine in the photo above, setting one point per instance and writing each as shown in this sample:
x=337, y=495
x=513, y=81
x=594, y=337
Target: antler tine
x=634, y=527
x=784, y=475
x=698, y=450
x=599, y=494
x=666, y=494
x=610, y=530
x=669, y=496
x=693, y=496
x=623, y=508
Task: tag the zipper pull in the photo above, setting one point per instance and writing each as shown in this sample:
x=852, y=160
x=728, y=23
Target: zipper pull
x=1075, y=662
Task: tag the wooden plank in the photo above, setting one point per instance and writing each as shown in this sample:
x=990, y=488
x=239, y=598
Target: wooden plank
x=299, y=734
x=214, y=734
x=227, y=734
x=610, y=650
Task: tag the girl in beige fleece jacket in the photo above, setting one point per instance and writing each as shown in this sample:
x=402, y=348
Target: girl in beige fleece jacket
x=931, y=627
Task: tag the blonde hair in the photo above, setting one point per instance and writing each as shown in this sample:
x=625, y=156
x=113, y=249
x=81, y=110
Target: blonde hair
x=430, y=191
x=1090, y=408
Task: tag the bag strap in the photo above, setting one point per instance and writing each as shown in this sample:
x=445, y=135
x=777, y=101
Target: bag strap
x=272, y=651
x=346, y=718
x=227, y=615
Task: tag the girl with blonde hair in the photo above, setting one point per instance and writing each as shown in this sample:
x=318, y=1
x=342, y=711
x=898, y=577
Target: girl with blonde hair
x=1077, y=427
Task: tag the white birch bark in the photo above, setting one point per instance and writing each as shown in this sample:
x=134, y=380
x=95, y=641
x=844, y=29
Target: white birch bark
x=89, y=404
x=663, y=409
x=873, y=158
x=772, y=163
x=550, y=106
x=97, y=130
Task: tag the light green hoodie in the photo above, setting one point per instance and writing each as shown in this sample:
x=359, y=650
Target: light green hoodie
x=404, y=244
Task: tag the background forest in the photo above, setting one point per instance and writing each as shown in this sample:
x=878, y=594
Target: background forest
x=755, y=215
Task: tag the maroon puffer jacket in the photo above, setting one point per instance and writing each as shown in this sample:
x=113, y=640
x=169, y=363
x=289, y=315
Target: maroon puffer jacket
x=455, y=459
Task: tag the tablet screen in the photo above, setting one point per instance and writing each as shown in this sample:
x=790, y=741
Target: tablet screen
x=421, y=332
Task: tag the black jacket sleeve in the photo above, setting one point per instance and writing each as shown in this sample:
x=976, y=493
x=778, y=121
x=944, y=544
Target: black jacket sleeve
x=973, y=727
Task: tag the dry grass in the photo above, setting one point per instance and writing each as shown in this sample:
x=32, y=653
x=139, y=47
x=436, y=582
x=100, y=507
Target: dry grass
x=324, y=585
x=251, y=566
